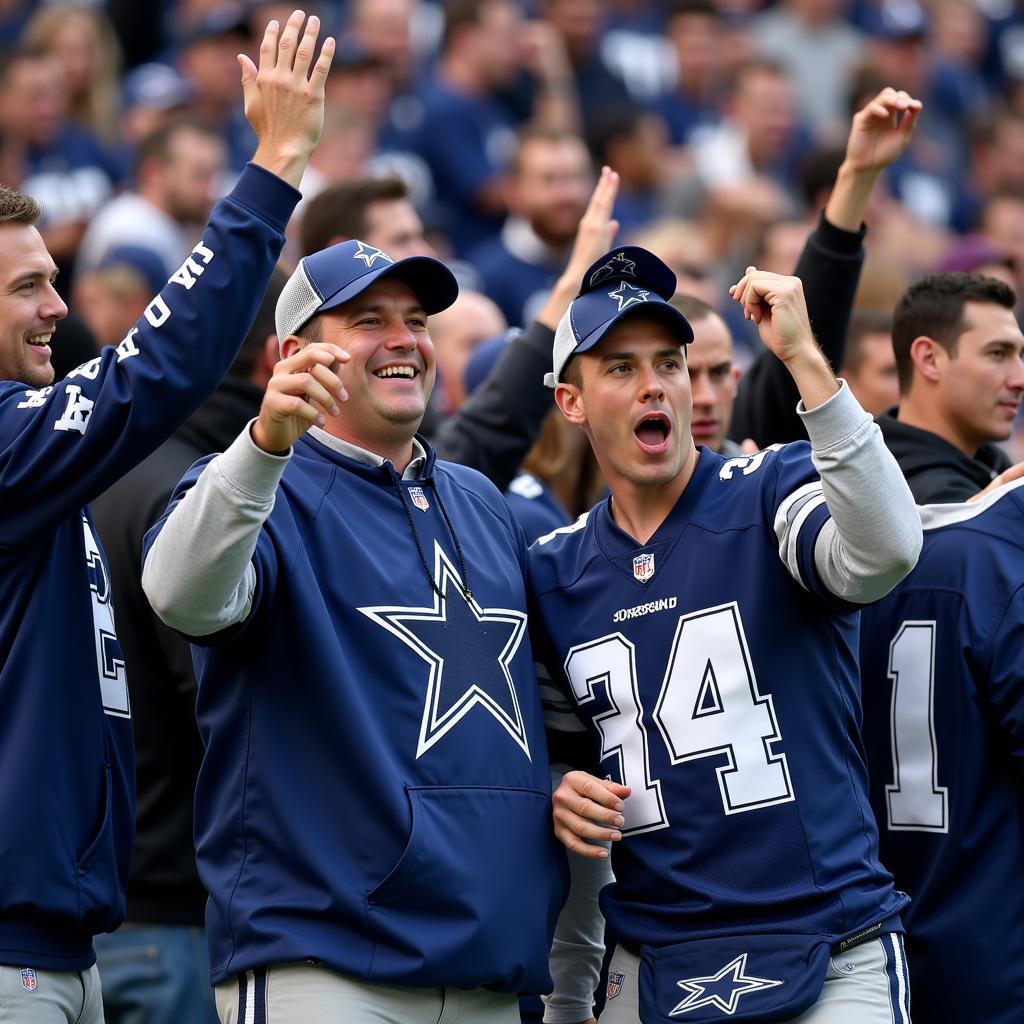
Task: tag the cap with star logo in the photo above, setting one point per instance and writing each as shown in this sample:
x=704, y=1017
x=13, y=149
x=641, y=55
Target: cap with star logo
x=621, y=282
x=337, y=274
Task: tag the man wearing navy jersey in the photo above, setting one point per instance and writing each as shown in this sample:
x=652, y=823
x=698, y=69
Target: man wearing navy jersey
x=373, y=808
x=66, y=757
x=700, y=628
x=942, y=668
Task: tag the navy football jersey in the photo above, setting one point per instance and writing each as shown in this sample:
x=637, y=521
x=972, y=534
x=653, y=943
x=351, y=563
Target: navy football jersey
x=943, y=690
x=717, y=677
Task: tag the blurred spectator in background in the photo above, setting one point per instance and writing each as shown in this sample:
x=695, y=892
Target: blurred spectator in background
x=377, y=210
x=114, y=294
x=713, y=375
x=869, y=363
x=151, y=94
x=681, y=244
x=1002, y=222
x=207, y=59
x=179, y=170
x=579, y=24
x=82, y=40
x=61, y=165
x=634, y=143
x=547, y=193
x=747, y=166
x=456, y=332
x=697, y=34
x=819, y=49
x=467, y=137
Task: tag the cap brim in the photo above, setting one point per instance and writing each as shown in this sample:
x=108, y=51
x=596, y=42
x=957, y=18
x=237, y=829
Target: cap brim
x=431, y=281
x=664, y=311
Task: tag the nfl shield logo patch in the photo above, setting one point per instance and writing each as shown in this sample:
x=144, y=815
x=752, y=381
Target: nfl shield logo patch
x=615, y=980
x=643, y=566
x=28, y=979
x=419, y=499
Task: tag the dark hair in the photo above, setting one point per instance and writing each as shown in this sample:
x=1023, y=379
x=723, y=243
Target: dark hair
x=572, y=372
x=818, y=172
x=262, y=326
x=693, y=308
x=680, y=8
x=17, y=207
x=157, y=145
x=459, y=14
x=934, y=308
x=340, y=210
x=862, y=323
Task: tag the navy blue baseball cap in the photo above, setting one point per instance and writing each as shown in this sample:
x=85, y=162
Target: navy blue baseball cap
x=620, y=283
x=333, y=276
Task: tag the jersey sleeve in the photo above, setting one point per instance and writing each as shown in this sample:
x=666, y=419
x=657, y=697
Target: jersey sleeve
x=793, y=506
x=61, y=446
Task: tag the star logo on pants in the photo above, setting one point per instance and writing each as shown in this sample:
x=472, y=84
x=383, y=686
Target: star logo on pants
x=723, y=990
x=469, y=651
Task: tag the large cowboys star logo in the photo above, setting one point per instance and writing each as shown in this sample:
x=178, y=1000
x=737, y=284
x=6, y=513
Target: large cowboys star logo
x=369, y=255
x=626, y=294
x=469, y=650
x=723, y=990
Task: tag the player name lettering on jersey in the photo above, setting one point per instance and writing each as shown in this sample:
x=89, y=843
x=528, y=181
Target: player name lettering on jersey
x=663, y=604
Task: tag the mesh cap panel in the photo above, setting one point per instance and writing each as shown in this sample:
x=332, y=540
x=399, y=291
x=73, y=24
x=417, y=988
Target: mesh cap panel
x=298, y=302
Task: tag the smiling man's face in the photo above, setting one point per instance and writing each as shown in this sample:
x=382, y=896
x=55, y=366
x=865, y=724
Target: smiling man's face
x=29, y=306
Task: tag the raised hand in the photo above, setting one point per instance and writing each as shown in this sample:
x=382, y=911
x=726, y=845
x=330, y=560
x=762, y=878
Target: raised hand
x=581, y=803
x=594, y=237
x=881, y=130
x=304, y=390
x=284, y=100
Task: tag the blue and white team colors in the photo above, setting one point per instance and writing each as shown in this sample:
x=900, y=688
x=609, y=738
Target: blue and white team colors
x=717, y=677
x=416, y=770
x=66, y=755
x=943, y=689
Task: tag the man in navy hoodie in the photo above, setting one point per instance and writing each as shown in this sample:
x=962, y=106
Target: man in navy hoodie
x=66, y=757
x=373, y=808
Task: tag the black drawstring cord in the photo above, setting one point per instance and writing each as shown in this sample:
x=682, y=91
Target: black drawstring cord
x=466, y=589
x=429, y=481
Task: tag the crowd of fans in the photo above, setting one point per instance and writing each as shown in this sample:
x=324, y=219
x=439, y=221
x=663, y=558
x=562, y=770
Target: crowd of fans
x=724, y=120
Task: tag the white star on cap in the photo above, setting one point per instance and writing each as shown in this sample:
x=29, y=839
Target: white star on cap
x=626, y=294
x=369, y=255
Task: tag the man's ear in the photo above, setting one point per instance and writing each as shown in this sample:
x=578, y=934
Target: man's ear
x=291, y=345
x=929, y=358
x=569, y=400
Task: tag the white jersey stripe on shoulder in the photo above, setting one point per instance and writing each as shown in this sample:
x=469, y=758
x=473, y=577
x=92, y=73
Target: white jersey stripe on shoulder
x=789, y=520
x=572, y=528
x=935, y=516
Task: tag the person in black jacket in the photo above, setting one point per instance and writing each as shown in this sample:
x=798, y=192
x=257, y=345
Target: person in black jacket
x=155, y=967
x=959, y=353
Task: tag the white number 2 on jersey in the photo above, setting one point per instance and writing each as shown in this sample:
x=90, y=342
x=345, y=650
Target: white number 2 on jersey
x=916, y=802
x=709, y=704
x=109, y=663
